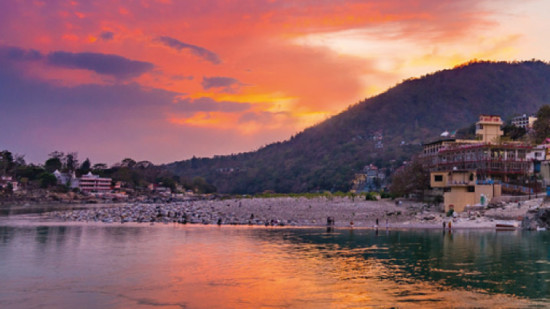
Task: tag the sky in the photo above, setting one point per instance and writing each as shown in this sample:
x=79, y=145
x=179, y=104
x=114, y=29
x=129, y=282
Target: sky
x=166, y=80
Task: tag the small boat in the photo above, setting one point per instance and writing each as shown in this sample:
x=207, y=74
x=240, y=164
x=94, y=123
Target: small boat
x=541, y=228
x=504, y=226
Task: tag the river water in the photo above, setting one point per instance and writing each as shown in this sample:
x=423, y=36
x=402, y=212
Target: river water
x=85, y=265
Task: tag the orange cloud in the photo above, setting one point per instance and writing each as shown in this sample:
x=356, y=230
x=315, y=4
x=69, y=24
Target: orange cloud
x=294, y=63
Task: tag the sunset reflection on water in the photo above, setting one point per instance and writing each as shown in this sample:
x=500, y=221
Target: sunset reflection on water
x=238, y=267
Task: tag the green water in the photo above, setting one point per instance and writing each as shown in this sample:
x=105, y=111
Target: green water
x=52, y=265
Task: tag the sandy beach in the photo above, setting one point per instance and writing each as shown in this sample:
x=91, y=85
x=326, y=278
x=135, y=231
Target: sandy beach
x=300, y=211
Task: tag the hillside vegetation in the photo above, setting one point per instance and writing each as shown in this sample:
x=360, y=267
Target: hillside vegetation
x=386, y=129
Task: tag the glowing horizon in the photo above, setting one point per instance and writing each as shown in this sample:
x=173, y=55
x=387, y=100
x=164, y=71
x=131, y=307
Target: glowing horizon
x=167, y=80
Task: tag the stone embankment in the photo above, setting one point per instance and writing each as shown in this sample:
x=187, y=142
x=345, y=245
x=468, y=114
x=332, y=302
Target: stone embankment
x=252, y=211
x=292, y=211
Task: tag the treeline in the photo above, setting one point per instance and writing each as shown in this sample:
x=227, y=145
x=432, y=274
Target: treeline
x=132, y=174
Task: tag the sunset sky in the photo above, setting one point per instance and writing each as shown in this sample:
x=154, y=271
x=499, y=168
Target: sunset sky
x=164, y=80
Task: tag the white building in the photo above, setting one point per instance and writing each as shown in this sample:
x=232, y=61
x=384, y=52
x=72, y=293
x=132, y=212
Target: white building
x=524, y=121
x=5, y=180
x=66, y=179
x=94, y=183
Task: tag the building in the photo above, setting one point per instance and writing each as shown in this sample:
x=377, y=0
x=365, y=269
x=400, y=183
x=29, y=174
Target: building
x=5, y=181
x=488, y=128
x=505, y=162
x=94, y=183
x=524, y=121
x=462, y=189
x=495, y=166
x=370, y=179
x=66, y=179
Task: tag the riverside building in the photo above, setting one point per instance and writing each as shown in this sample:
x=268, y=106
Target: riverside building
x=472, y=172
x=94, y=183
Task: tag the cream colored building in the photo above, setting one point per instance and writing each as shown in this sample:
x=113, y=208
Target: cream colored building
x=488, y=128
x=462, y=189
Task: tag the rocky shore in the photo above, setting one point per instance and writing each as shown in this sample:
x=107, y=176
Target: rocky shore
x=292, y=211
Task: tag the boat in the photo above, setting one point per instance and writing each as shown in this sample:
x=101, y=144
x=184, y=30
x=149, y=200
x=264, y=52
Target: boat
x=505, y=226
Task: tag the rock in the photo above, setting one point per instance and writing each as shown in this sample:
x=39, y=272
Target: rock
x=540, y=218
x=429, y=217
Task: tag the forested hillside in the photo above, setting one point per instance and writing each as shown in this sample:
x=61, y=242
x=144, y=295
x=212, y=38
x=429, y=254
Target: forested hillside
x=385, y=129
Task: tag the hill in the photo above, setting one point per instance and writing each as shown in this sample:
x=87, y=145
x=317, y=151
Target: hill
x=386, y=129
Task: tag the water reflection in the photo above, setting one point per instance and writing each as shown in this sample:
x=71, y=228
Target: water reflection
x=176, y=266
x=512, y=262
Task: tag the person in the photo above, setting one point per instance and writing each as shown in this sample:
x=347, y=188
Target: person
x=376, y=222
x=449, y=225
x=443, y=224
x=387, y=225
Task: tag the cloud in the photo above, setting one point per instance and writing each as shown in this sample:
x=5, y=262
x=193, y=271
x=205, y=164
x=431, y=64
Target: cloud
x=107, y=35
x=196, y=50
x=99, y=121
x=15, y=53
x=206, y=104
x=224, y=84
x=106, y=64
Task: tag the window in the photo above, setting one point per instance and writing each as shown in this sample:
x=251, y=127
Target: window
x=438, y=178
x=471, y=189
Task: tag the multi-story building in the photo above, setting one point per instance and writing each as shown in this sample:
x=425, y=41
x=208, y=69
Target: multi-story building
x=490, y=161
x=462, y=189
x=94, y=183
x=524, y=121
x=370, y=179
x=486, y=155
x=488, y=128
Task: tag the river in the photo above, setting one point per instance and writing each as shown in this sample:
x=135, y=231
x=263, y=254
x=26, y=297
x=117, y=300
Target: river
x=96, y=265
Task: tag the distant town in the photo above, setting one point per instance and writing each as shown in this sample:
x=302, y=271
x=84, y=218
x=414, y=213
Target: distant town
x=493, y=162
x=469, y=173
x=61, y=178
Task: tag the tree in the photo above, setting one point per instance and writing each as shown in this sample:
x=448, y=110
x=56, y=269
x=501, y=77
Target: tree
x=71, y=161
x=56, y=154
x=100, y=166
x=85, y=166
x=202, y=186
x=128, y=162
x=31, y=172
x=513, y=132
x=168, y=182
x=411, y=178
x=47, y=180
x=53, y=164
x=542, y=124
x=6, y=162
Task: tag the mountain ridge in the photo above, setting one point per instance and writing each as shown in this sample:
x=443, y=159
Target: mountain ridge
x=385, y=129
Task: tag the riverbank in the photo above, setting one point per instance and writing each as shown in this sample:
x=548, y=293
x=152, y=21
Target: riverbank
x=300, y=211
